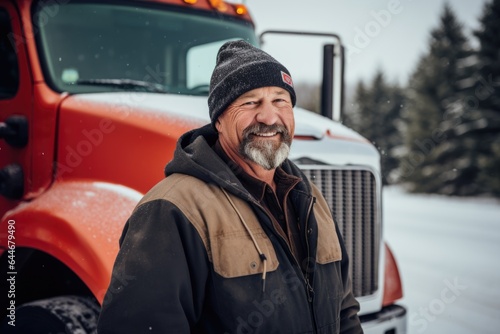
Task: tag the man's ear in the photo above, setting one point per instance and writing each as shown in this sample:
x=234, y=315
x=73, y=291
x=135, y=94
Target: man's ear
x=218, y=125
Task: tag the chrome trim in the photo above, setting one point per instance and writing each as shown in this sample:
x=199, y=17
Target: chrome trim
x=390, y=319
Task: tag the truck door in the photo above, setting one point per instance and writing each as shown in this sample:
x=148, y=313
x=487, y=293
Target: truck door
x=15, y=110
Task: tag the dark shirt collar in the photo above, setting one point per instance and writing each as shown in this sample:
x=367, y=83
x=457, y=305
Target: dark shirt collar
x=256, y=187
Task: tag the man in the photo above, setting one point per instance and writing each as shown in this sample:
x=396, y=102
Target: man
x=235, y=239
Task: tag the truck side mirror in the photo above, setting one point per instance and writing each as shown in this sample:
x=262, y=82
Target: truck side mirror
x=332, y=89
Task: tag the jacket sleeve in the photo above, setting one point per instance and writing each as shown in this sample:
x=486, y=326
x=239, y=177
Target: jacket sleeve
x=349, y=320
x=159, y=275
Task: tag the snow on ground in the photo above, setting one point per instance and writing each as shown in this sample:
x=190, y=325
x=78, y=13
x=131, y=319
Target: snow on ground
x=448, y=251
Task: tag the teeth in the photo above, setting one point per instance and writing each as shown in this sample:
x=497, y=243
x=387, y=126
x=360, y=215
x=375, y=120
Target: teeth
x=268, y=134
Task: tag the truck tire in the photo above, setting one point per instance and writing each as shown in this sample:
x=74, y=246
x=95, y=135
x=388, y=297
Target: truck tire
x=58, y=315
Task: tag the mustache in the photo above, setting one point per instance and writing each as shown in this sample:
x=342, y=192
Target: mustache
x=263, y=128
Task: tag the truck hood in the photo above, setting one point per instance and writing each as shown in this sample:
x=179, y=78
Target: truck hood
x=194, y=108
x=317, y=138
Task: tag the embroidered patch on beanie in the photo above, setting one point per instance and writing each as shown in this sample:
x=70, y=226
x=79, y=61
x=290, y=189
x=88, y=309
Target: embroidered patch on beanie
x=287, y=79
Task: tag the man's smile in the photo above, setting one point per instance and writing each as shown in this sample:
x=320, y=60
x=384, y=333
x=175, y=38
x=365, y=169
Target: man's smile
x=265, y=134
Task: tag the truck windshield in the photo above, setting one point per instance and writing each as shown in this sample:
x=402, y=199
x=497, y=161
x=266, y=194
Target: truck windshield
x=96, y=47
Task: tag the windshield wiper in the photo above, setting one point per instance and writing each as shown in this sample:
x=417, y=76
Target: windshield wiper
x=125, y=84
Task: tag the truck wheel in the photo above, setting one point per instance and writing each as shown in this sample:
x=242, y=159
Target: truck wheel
x=59, y=315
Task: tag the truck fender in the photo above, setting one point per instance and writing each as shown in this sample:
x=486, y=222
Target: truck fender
x=79, y=223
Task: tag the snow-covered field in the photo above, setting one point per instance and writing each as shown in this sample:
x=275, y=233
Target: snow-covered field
x=448, y=251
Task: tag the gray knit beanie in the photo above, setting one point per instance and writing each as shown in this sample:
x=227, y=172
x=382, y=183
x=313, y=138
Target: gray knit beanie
x=240, y=68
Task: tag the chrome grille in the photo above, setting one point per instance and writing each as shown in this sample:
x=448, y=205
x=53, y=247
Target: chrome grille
x=352, y=197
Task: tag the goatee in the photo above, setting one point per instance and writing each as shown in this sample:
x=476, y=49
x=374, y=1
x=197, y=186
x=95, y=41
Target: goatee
x=267, y=153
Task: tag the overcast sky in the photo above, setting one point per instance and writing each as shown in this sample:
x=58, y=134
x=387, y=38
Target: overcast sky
x=386, y=34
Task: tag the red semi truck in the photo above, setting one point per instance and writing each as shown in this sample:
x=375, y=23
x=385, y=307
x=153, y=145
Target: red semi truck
x=93, y=96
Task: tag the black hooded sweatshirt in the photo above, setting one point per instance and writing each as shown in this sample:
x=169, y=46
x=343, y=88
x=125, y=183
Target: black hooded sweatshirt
x=200, y=255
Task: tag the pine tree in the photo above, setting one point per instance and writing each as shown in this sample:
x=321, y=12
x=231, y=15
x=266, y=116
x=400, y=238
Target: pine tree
x=375, y=115
x=391, y=140
x=434, y=152
x=352, y=117
x=485, y=119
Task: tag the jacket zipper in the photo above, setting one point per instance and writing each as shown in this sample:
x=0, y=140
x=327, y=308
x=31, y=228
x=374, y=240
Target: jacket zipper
x=310, y=290
x=308, y=286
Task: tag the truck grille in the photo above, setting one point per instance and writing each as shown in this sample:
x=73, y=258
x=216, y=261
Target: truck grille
x=352, y=197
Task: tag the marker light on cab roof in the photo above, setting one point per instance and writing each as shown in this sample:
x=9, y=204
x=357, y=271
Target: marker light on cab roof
x=240, y=9
x=191, y=2
x=219, y=5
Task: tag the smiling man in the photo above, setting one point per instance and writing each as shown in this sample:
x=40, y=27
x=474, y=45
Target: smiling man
x=235, y=239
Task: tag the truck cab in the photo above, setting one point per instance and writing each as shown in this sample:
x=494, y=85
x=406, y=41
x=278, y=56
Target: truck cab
x=93, y=97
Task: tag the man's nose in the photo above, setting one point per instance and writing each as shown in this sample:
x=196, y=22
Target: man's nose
x=267, y=114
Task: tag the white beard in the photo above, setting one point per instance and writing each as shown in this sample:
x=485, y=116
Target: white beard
x=265, y=154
